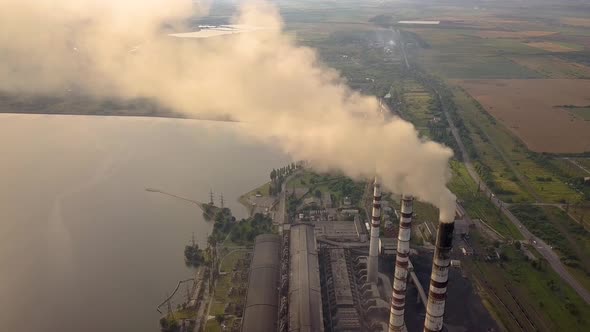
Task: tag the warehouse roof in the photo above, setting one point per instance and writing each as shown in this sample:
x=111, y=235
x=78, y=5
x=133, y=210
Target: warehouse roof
x=261, y=309
x=305, y=301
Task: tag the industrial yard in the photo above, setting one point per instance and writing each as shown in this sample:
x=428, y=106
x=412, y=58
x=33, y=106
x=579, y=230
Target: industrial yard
x=332, y=273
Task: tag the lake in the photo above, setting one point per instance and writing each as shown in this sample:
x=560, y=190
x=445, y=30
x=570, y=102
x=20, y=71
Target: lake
x=83, y=245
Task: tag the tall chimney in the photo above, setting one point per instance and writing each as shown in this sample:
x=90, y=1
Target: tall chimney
x=398, y=296
x=375, y=223
x=437, y=293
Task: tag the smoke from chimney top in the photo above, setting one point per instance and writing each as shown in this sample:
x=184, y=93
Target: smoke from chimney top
x=281, y=91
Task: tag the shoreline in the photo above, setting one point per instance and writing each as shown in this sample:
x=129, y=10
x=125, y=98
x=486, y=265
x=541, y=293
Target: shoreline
x=123, y=115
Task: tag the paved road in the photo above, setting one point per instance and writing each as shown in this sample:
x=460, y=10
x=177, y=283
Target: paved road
x=543, y=248
x=280, y=216
x=578, y=164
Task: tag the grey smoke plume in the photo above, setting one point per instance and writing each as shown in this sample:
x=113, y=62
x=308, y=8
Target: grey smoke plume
x=281, y=90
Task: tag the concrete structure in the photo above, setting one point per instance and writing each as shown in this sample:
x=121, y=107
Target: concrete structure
x=398, y=295
x=305, y=301
x=437, y=293
x=373, y=267
x=387, y=246
x=462, y=227
x=341, y=295
x=260, y=313
x=429, y=231
x=339, y=230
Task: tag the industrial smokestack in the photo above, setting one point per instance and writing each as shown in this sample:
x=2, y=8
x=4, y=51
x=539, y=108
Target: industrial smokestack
x=375, y=223
x=398, y=296
x=437, y=293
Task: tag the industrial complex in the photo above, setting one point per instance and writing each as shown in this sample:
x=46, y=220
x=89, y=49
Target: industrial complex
x=326, y=274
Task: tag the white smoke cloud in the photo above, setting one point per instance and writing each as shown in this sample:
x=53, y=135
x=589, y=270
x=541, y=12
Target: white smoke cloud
x=287, y=97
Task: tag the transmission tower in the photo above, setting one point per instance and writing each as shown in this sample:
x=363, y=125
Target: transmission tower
x=221, y=199
x=211, y=202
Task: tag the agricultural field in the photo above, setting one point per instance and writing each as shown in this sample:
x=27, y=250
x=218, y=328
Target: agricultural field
x=576, y=21
x=506, y=164
x=456, y=53
x=570, y=168
x=584, y=162
x=553, y=47
x=477, y=205
x=567, y=237
x=526, y=295
x=514, y=34
x=414, y=104
x=553, y=67
x=537, y=111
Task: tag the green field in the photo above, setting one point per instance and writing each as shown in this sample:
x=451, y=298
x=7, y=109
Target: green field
x=582, y=113
x=567, y=237
x=515, y=170
x=415, y=104
x=477, y=205
x=338, y=186
x=457, y=53
x=221, y=292
x=525, y=295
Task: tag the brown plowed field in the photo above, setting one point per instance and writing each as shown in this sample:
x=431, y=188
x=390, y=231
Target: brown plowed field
x=514, y=34
x=551, y=47
x=528, y=108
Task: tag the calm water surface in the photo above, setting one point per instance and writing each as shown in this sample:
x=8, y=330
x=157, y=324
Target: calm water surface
x=83, y=246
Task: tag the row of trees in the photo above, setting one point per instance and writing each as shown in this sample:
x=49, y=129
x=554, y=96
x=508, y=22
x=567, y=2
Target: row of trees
x=277, y=176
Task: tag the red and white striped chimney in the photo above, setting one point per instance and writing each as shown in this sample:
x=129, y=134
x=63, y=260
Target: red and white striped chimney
x=398, y=296
x=375, y=227
x=437, y=293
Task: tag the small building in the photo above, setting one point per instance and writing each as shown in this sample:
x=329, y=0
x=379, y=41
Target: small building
x=339, y=230
x=387, y=246
x=312, y=201
x=327, y=200
x=466, y=251
x=349, y=211
x=347, y=201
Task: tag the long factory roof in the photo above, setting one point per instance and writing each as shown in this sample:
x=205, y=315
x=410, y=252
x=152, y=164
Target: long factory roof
x=261, y=309
x=305, y=300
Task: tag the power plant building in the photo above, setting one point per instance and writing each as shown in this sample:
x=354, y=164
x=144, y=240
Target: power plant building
x=305, y=300
x=317, y=276
x=260, y=313
x=341, y=297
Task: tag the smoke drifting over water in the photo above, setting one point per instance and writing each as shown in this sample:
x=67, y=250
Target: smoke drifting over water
x=288, y=98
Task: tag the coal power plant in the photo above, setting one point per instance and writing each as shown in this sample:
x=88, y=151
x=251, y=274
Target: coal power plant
x=402, y=262
x=437, y=292
x=375, y=229
x=326, y=274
